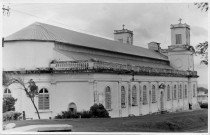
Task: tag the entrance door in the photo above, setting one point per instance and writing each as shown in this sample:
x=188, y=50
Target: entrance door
x=161, y=101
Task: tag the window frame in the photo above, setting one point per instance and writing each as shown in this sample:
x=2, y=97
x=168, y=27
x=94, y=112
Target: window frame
x=168, y=92
x=123, y=97
x=194, y=92
x=185, y=91
x=134, y=96
x=145, y=100
x=175, y=93
x=43, y=99
x=178, y=38
x=180, y=91
x=154, y=94
x=108, y=105
x=7, y=93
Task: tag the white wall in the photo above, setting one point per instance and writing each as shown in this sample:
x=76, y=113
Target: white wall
x=81, y=88
x=27, y=54
x=181, y=60
x=184, y=32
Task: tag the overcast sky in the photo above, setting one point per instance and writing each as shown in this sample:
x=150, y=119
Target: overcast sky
x=149, y=22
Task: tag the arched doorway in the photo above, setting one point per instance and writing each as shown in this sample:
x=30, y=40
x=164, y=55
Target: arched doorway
x=72, y=107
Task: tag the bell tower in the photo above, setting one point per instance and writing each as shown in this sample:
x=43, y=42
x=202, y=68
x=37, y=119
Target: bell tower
x=180, y=52
x=124, y=36
x=180, y=34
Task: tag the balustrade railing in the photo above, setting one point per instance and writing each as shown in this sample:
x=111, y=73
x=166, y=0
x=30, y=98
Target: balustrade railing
x=115, y=67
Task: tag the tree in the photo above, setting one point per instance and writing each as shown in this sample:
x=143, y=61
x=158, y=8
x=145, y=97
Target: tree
x=202, y=6
x=31, y=91
x=202, y=48
x=9, y=104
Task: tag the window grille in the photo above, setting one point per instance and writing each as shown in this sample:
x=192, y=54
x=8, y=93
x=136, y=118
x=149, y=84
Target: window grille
x=168, y=92
x=134, y=96
x=108, y=98
x=193, y=90
x=7, y=92
x=174, y=92
x=185, y=91
x=123, y=97
x=180, y=91
x=144, y=94
x=43, y=101
x=178, y=38
x=153, y=94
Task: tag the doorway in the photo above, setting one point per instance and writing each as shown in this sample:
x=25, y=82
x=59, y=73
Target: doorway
x=72, y=107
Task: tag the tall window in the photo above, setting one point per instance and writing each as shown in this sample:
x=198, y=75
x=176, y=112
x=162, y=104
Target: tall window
x=153, y=94
x=108, y=98
x=178, y=38
x=123, y=97
x=168, y=93
x=7, y=93
x=193, y=90
x=44, y=103
x=174, y=92
x=185, y=91
x=129, y=96
x=140, y=94
x=180, y=91
x=134, y=96
x=144, y=94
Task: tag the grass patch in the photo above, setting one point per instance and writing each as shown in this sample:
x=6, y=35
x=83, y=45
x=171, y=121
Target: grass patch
x=170, y=122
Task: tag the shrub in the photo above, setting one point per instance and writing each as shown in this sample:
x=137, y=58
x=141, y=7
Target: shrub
x=9, y=104
x=85, y=114
x=204, y=105
x=69, y=114
x=98, y=111
x=11, y=115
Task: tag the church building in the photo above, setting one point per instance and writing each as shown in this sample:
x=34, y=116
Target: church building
x=74, y=70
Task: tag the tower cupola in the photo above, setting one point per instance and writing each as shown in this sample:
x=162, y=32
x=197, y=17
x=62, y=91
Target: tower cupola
x=180, y=33
x=125, y=36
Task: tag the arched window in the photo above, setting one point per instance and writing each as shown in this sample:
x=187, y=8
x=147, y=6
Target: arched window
x=144, y=94
x=123, y=97
x=134, y=96
x=108, y=98
x=168, y=92
x=153, y=94
x=193, y=90
x=72, y=107
x=174, y=92
x=185, y=91
x=44, y=103
x=180, y=91
x=7, y=92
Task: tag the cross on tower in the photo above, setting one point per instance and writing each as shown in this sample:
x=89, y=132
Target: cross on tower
x=123, y=26
x=180, y=20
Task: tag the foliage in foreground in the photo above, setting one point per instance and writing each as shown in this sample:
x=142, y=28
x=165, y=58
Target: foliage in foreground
x=11, y=115
x=9, y=104
x=204, y=105
x=202, y=49
x=96, y=111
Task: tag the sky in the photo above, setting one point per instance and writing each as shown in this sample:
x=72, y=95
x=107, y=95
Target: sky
x=148, y=21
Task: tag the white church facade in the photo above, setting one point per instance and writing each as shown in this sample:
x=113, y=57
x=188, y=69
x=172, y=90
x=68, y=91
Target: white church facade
x=74, y=70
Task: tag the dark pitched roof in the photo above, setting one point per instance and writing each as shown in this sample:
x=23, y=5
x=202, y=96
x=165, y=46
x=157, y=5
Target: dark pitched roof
x=45, y=32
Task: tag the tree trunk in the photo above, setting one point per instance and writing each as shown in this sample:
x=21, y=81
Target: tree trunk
x=35, y=107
